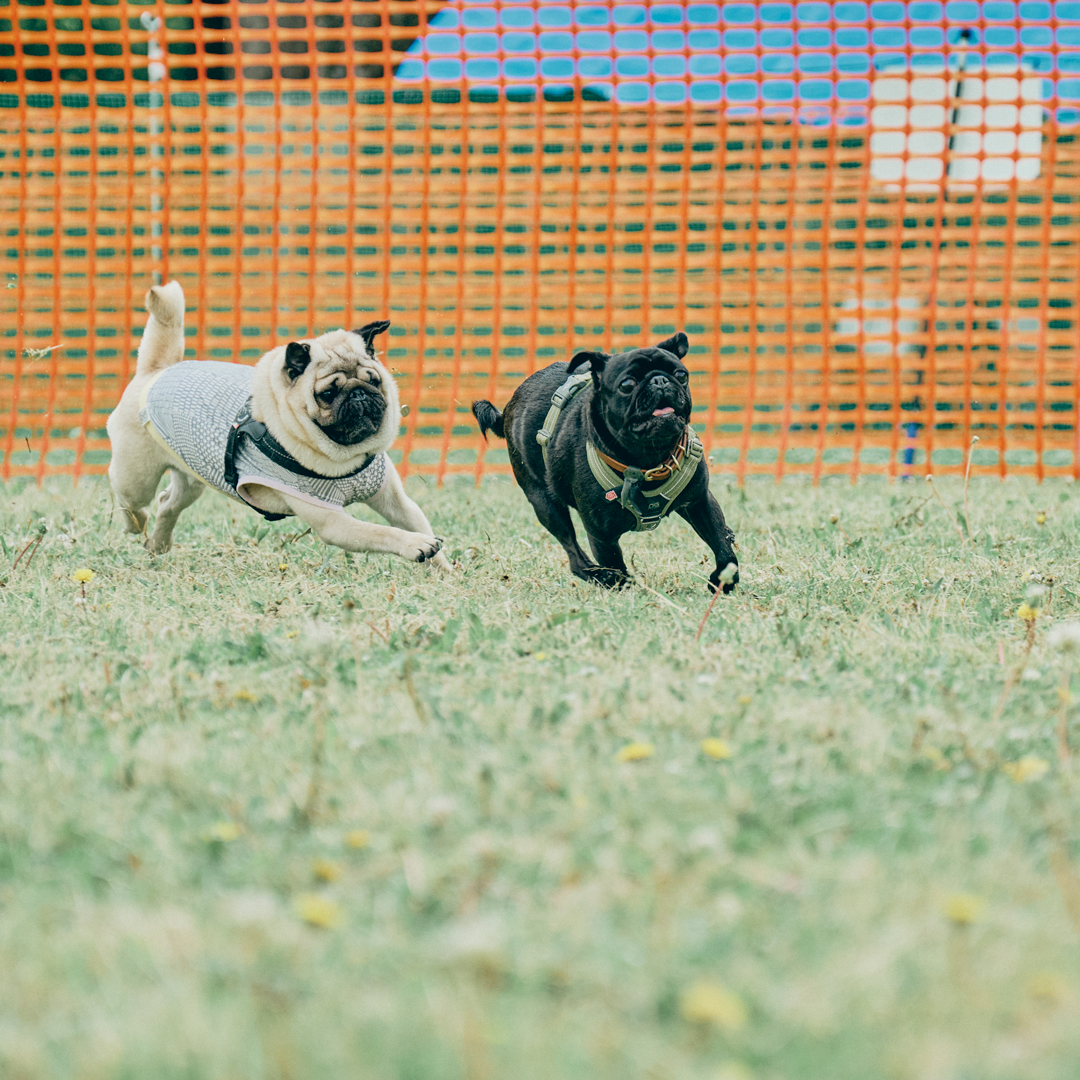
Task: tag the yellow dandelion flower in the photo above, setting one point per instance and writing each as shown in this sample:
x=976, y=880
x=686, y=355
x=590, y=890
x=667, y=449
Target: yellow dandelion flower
x=245, y=695
x=1026, y=769
x=318, y=911
x=1048, y=986
x=711, y=1003
x=1026, y=612
x=84, y=575
x=223, y=832
x=541, y=656
x=745, y=699
x=635, y=751
x=716, y=748
x=357, y=838
x=962, y=908
x=1040, y=518
x=326, y=870
x=283, y=567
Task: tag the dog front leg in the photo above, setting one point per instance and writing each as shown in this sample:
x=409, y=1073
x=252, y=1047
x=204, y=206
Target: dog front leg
x=707, y=520
x=611, y=571
x=394, y=505
x=344, y=531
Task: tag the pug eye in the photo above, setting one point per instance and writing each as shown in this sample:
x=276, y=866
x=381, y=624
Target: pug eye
x=326, y=396
x=681, y=377
x=627, y=385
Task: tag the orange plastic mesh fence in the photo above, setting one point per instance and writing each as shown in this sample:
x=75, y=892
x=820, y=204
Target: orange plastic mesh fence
x=853, y=307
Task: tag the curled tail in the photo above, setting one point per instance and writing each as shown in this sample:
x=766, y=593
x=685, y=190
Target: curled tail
x=162, y=342
x=489, y=418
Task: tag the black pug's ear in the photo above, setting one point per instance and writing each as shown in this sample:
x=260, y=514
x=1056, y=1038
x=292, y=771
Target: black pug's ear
x=596, y=360
x=370, y=332
x=677, y=345
x=297, y=358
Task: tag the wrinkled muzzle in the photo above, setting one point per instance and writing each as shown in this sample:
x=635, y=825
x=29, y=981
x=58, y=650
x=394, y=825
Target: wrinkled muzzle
x=357, y=416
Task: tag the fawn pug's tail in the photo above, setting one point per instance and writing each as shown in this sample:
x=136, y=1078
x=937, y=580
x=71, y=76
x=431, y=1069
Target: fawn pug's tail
x=489, y=418
x=162, y=342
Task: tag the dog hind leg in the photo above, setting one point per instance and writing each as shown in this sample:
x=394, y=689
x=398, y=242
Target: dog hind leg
x=554, y=515
x=182, y=491
x=134, y=480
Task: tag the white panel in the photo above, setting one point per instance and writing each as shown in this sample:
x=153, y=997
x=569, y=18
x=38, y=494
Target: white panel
x=884, y=168
x=964, y=169
x=998, y=169
x=887, y=142
x=890, y=89
x=1030, y=142
x=1003, y=89
x=1031, y=116
x=999, y=142
x=928, y=89
x=1002, y=116
x=925, y=168
x=1027, y=169
x=926, y=142
x=888, y=116
x=926, y=116
x=967, y=142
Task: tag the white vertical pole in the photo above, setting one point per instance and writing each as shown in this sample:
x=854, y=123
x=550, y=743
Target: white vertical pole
x=156, y=70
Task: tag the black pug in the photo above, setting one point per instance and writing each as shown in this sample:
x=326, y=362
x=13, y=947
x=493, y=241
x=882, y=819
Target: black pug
x=621, y=452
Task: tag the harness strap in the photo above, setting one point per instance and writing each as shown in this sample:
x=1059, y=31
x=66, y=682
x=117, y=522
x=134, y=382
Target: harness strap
x=559, y=400
x=245, y=424
x=649, y=507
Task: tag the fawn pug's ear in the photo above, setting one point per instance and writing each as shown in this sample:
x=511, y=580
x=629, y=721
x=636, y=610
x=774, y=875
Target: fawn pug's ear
x=596, y=361
x=297, y=358
x=371, y=331
x=678, y=345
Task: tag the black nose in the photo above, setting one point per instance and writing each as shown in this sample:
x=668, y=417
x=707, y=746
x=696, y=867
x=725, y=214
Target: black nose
x=660, y=382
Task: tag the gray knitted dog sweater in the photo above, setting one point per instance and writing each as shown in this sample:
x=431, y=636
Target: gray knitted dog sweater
x=190, y=408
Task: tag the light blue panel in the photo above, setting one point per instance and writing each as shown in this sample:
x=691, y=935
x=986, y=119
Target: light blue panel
x=778, y=90
x=778, y=64
x=703, y=39
x=671, y=93
x=595, y=67
x=481, y=43
x=705, y=64
x=552, y=15
x=705, y=92
x=742, y=91
x=632, y=66
x=668, y=40
x=440, y=44
x=669, y=66
x=482, y=69
x=444, y=70
x=557, y=67
x=556, y=41
x=593, y=41
x=592, y=16
x=479, y=18
x=628, y=15
x=815, y=90
x=520, y=68
x=519, y=43
x=632, y=93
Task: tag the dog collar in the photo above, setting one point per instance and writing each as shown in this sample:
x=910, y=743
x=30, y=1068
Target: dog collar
x=623, y=483
x=246, y=424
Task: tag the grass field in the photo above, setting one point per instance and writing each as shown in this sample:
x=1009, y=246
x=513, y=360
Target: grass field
x=271, y=811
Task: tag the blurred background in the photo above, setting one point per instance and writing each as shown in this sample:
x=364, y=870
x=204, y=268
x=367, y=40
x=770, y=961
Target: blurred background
x=864, y=215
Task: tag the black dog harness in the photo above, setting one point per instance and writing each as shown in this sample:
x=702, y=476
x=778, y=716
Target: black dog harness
x=625, y=483
x=256, y=430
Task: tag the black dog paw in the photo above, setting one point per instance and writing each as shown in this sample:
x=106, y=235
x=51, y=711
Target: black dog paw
x=608, y=577
x=724, y=579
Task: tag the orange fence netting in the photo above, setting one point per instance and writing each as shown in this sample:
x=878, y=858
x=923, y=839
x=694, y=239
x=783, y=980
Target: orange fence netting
x=858, y=301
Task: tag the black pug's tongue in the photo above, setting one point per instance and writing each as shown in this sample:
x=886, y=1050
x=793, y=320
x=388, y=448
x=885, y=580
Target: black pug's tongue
x=665, y=411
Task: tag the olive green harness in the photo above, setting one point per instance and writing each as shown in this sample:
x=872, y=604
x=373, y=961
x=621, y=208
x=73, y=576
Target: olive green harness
x=624, y=483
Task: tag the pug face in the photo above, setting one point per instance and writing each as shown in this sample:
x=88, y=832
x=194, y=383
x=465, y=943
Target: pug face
x=333, y=396
x=643, y=395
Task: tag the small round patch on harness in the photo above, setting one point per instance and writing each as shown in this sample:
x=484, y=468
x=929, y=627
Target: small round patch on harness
x=611, y=496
